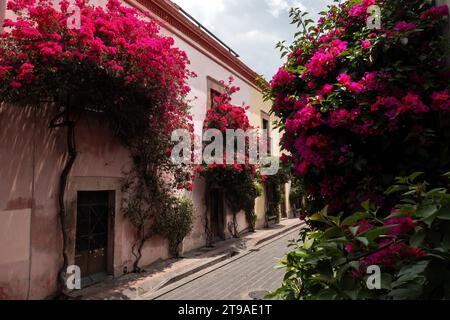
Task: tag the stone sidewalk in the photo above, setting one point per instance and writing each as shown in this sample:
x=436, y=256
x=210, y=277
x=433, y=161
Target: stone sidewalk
x=159, y=275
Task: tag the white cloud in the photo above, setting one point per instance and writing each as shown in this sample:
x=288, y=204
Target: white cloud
x=258, y=36
x=278, y=7
x=251, y=27
x=205, y=11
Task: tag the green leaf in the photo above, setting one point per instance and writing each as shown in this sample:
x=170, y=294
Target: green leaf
x=308, y=244
x=426, y=211
x=373, y=234
x=354, y=218
x=325, y=211
x=354, y=230
x=436, y=191
x=338, y=261
x=444, y=213
x=417, y=239
x=363, y=240
x=395, y=189
x=411, y=271
x=366, y=205
x=332, y=232
x=317, y=217
x=386, y=281
x=414, y=176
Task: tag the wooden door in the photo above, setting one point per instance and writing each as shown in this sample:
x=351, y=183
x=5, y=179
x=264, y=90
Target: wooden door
x=217, y=214
x=92, y=233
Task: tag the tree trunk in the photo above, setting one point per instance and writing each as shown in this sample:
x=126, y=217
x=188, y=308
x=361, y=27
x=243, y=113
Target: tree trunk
x=72, y=155
x=140, y=245
x=235, y=231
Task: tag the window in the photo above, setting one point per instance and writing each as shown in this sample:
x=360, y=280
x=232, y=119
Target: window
x=213, y=93
x=215, y=88
x=266, y=124
x=266, y=128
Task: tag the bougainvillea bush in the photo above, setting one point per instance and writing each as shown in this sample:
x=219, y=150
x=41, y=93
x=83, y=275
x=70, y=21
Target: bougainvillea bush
x=237, y=180
x=360, y=106
x=115, y=64
x=411, y=248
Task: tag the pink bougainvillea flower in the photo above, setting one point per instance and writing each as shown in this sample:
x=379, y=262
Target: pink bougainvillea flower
x=282, y=78
x=435, y=13
x=344, y=79
x=4, y=70
x=355, y=87
x=326, y=89
x=366, y=44
x=15, y=84
x=441, y=101
x=370, y=80
x=357, y=11
x=223, y=116
x=412, y=102
x=338, y=118
x=403, y=26
x=366, y=102
x=324, y=60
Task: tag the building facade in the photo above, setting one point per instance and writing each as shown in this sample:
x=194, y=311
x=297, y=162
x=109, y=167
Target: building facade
x=32, y=157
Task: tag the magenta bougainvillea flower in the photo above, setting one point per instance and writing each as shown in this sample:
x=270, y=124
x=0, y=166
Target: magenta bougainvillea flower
x=435, y=13
x=222, y=116
x=403, y=26
x=39, y=40
x=365, y=89
x=116, y=61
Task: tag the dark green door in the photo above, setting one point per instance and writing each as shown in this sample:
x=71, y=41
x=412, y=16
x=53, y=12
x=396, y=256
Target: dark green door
x=92, y=232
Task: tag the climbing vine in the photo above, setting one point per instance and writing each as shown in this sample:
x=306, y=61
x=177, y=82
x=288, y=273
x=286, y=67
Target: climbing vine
x=278, y=182
x=238, y=181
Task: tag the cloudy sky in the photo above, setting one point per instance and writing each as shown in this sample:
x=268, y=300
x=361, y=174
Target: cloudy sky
x=252, y=28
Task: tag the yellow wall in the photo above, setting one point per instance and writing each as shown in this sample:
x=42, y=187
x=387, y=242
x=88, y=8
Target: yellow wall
x=259, y=107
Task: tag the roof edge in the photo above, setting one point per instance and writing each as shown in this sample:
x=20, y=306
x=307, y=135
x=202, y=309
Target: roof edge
x=171, y=14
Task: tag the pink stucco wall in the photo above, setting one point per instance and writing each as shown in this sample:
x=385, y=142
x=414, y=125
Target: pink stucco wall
x=31, y=159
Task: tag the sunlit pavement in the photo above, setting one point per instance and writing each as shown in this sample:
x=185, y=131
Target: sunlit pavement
x=248, y=278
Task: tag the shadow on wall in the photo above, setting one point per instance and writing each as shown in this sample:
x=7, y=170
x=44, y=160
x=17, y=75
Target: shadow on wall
x=31, y=159
x=26, y=150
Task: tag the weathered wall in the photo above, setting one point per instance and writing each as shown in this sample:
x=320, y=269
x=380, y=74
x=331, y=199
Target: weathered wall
x=31, y=159
x=205, y=67
x=258, y=107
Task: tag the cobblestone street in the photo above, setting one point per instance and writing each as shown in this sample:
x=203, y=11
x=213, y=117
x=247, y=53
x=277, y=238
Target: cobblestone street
x=243, y=279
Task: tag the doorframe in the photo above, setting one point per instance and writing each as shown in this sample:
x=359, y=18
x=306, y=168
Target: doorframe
x=115, y=220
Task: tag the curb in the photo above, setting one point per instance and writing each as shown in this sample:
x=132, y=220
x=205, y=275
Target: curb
x=282, y=231
x=183, y=279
